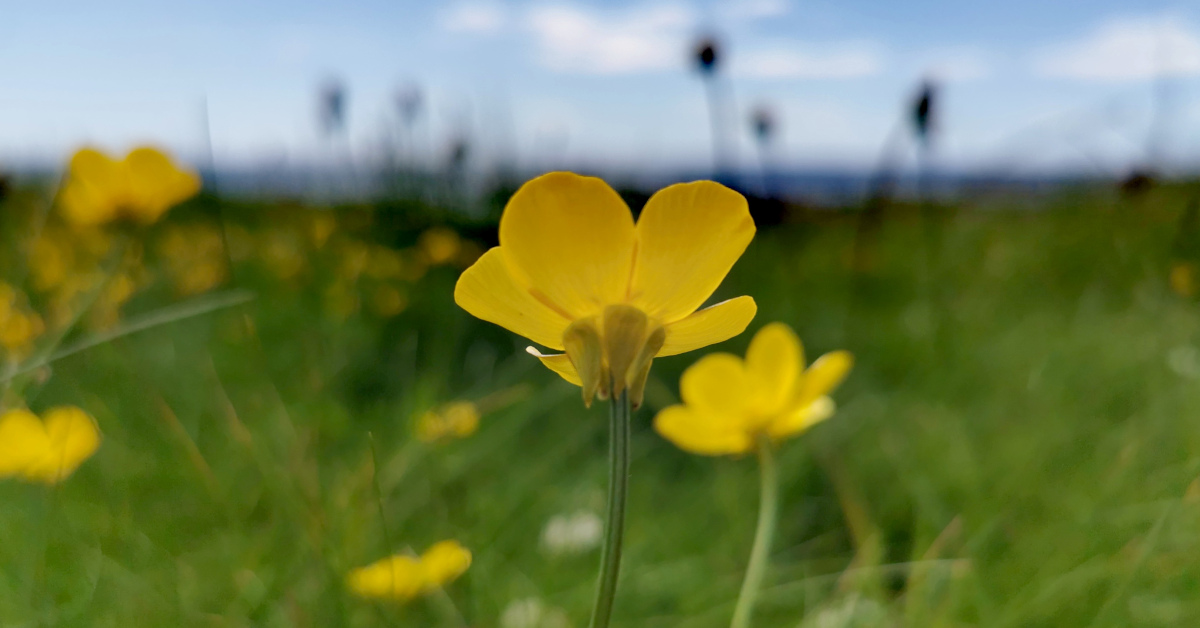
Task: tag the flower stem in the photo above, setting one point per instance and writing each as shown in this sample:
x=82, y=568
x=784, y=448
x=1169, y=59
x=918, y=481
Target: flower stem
x=768, y=506
x=614, y=525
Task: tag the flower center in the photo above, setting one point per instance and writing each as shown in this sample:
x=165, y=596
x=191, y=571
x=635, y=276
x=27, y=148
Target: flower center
x=612, y=352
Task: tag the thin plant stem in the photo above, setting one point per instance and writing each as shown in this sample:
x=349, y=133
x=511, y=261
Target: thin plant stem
x=161, y=316
x=614, y=523
x=383, y=524
x=111, y=264
x=387, y=536
x=768, y=507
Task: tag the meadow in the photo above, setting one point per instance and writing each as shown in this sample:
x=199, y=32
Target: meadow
x=1017, y=445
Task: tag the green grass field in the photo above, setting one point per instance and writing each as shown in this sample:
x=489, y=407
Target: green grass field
x=1018, y=444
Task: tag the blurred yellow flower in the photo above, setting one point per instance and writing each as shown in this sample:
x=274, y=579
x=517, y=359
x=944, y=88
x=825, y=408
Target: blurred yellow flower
x=140, y=187
x=1183, y=279
x=730, y=402
x=354, y=257
x=95, y=242
x=8, y=298
x=18, y=330
x=283, y=252
x=66, y=297
x=59, y=252
x=415, y=266
x=388, y=301
x=385, y=263
x=439, y=245
x=19, y=326
x=323, y=224
x=106, y=310
x=50, y=261
x=574, y=273
x=444, y=562
x=403, y=578
x=195, y=258
x=457, y=419
x=46, y=450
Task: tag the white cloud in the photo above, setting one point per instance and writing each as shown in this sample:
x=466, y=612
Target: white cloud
x=643, y=39
x=475, y=17
x=837, y=61
x=1126, y=49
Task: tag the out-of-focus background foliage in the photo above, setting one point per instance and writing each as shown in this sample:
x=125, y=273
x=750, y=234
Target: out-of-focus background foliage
x=278, y=367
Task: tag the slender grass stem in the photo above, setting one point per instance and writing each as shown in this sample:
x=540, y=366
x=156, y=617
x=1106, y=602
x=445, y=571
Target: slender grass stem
x=614, y=524
x=43, y=357
x=383, y=523
x=768, y=507
x=162, y=316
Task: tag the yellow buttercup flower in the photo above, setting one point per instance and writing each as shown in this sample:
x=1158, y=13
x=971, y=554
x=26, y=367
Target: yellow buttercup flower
x=439, y=245
x=459, y=419
x=403, y=578
x=323, y=224
x=444, y=562
x=396, y=578
x=283, y=253
x=574, y=273
x=384, y=263
x=195, y=258
x=51, y=261
x=18, y=330
x=19, y=326
x=729, y=403
x=388, y=301
x=140, y=187
x=735, y=406
x=105, y=312
x=1183, y=279
x=65, y=300
x=49, y=449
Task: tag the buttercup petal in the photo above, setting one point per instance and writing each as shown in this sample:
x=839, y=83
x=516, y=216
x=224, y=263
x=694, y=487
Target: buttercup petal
x=717, y=385
x=107, y=176
x=488, y=291
x=96, y=185
x=711, y=325
x=395, y=577
x=443, y=562
x=72, y=438
x=156, y=184
x=559, y=363
x=798, y=421
x=700, y=433
x=570, y=240
x=823, y=376
x=689, y=235
x=22, y=440
x=774, y=362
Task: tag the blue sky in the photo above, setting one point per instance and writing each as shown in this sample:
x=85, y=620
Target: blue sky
x=550, y=83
